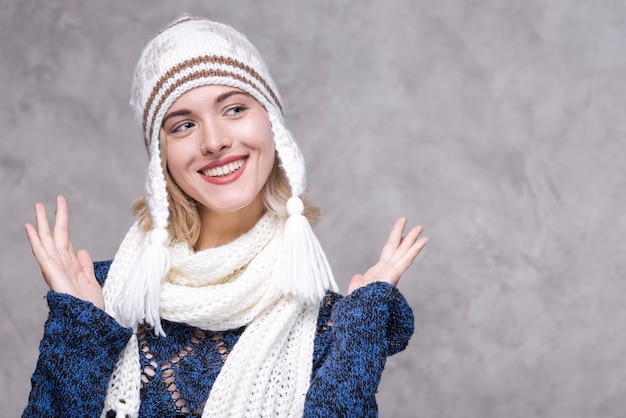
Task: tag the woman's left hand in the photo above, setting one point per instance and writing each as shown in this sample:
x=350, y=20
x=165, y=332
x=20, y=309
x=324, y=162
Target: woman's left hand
x=397, y=255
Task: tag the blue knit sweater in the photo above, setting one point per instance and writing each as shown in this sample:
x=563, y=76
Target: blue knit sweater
x=81, y=344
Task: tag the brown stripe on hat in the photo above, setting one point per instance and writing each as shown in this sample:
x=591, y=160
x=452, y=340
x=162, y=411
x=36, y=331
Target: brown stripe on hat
x=186, y=79
x=215, y=59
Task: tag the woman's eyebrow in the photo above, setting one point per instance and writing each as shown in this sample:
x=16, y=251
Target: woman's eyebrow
x=227, y=94
x=181, y=112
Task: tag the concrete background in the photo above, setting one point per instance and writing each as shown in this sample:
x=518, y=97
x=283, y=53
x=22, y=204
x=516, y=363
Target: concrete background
x=498, y=125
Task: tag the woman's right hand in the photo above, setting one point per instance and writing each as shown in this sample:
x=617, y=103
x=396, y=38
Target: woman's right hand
x=64, y=270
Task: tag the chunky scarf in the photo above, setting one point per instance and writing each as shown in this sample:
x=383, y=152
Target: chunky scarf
x=268, y=371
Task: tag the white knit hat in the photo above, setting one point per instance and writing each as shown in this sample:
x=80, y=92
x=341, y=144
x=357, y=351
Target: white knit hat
x=189, y=53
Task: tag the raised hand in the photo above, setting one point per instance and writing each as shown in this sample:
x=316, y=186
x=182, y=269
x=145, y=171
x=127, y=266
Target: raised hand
x=397, y=255
x=63, y=270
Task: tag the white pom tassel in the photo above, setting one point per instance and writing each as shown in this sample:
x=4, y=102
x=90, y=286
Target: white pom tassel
x=141, y=293
x=305, y=270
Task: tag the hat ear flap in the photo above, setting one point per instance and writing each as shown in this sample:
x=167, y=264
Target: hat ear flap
x=291, y=159
x=140, y=297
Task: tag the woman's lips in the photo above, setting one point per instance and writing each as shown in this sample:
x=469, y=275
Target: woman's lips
x=225, y=170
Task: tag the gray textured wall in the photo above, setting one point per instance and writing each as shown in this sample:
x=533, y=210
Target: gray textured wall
x=498, y=125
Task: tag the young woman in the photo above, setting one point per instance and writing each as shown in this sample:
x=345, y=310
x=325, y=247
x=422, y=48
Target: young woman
x=220, y=301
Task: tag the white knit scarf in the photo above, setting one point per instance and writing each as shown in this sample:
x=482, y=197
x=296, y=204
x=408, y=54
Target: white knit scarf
x=268, y=371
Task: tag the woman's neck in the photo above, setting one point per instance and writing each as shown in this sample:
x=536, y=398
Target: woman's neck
x=219, y=228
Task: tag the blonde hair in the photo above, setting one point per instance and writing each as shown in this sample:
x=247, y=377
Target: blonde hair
x=184, y=222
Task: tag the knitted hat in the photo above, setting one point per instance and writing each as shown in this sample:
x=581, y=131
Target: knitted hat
x=189, y=53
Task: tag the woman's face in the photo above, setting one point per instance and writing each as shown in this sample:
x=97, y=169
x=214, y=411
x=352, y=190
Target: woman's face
x=220, y=149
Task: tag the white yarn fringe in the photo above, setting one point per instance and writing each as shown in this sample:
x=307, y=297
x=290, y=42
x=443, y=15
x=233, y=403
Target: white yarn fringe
x=303, y=264
x=140, y=297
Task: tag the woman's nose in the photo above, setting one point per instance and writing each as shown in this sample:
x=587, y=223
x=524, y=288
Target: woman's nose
x=216, y=138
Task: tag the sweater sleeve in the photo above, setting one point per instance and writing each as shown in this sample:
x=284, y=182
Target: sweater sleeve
x=370, y=324
x=77, y=355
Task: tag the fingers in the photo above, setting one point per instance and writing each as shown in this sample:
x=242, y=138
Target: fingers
x=85, y=262
x=399, y=252
x=58, y=238
x=63, y=270
x=43, y=227
x=39, y=237
x=44, y=242
x=412, y=251
x=397, y=255
x=33, y=239
x=61, y=232
x=39, y=251
x=396, y=231
x=394, y=239
x=411, y=238
x=397, y=242
x=411, y=246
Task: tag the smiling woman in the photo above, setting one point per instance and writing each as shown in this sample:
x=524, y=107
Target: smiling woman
x=220, y=300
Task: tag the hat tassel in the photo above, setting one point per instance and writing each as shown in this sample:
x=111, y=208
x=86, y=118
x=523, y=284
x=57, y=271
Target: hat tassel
x=304, y=266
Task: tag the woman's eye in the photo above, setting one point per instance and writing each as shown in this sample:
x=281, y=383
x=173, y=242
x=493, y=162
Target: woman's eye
x=183, y=127
x=235, y=110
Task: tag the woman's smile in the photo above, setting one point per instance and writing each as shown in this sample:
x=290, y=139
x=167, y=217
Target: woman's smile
x=223, y=171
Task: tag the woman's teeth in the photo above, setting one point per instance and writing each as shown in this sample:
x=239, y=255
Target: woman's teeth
x=224, y=170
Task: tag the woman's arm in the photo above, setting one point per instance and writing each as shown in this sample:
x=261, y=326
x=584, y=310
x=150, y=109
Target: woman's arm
x=81, y=342
x=370, y=324
x=374, y=321
x=78, y=352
